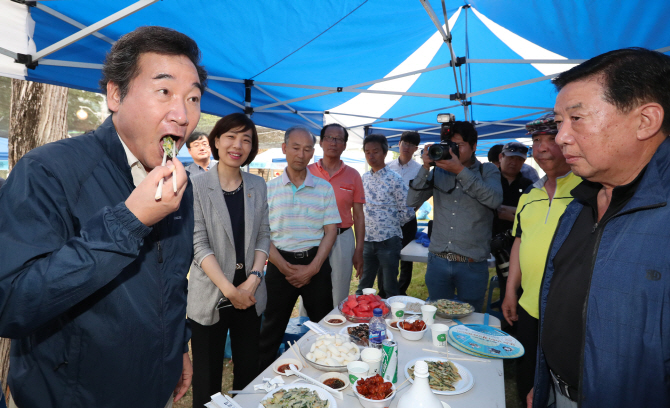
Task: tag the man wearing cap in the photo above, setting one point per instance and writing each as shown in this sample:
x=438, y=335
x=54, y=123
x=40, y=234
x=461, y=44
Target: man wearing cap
x=512, y=157
x=465, y=194
x=408, y=169
x=526, y=170
x=605, y=297
x=347, y=252
x=537, y=215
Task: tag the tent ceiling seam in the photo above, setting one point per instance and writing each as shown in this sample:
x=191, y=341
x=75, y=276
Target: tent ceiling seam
x=308, y=42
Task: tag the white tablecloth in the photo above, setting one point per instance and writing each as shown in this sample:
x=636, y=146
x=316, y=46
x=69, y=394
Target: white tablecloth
x=488, y=389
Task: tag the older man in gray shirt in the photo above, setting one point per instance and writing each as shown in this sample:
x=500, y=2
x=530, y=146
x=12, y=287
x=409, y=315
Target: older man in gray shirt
x=465, y=192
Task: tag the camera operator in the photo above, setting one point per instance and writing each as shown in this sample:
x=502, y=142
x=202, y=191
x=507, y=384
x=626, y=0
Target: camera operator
x=465, y=194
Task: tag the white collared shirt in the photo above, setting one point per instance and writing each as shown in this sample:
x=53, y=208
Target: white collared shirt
x=136, y=168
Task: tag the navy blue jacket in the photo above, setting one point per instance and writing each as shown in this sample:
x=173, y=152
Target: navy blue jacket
x=94, y=301
x=625, y=359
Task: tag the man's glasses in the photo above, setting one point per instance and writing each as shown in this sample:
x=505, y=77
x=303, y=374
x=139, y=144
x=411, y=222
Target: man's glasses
x=329, y=139
x=197, y=145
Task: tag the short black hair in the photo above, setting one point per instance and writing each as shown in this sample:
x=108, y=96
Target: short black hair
x=323, y=131
x=377, y=138
x=122, y=63
x=234, y=121
x=195, y=136
x=630, y=77
x=494, y=153
x=411, y=136
x=466, y=130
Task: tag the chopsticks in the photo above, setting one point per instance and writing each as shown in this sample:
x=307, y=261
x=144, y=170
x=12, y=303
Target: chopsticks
x=303, y=362
x=159, y=191
x=480, y=360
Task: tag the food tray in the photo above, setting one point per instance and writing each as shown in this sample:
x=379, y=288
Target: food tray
x=452, y=316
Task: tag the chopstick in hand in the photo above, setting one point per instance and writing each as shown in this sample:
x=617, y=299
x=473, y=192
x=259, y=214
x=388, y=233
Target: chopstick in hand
x=159, y=191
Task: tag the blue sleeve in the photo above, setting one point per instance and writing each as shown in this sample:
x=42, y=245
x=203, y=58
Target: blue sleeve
x=51, y=260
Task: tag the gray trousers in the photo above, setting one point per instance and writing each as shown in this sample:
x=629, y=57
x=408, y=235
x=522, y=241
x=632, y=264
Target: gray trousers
x=342, y=264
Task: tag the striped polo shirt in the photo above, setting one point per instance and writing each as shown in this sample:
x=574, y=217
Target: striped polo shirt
x=298, y=214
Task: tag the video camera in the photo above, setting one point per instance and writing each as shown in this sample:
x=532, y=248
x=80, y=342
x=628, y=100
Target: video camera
x=443, y=150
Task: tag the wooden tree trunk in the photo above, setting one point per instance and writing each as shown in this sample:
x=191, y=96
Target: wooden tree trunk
x=38, y=115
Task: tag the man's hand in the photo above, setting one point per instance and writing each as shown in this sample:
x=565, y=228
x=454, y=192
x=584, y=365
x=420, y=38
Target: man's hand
x=509, y=307
x=286, y=268
x=529, y=398
x=302, y=276
x=141, y=201
x=358, y=262
x=184, y=380
x=452, y=165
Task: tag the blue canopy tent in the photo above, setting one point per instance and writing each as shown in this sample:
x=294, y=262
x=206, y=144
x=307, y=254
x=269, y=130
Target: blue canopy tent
x=372, y=65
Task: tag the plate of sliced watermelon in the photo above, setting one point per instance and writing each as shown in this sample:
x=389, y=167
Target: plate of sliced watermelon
x=358, y=309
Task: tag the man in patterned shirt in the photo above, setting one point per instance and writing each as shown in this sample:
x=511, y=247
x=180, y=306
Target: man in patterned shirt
x=303, y=228
x=385, y=211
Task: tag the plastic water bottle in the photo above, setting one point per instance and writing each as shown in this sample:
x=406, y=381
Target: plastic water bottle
x=377, y=329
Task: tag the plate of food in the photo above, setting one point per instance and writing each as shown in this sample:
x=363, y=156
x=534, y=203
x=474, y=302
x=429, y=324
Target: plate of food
x=298, y=395
x=446, y=376
x=412, y=304
x=452, y=309
x=329, y=352
x=359, y=309
x=359, y=333
x=393, y=324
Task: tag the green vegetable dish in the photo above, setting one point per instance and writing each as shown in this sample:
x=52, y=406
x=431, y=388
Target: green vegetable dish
x=295, y=398
x=168, y=146
x=443, y=375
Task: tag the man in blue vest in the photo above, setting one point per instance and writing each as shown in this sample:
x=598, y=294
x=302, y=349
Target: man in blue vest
x=605, y=298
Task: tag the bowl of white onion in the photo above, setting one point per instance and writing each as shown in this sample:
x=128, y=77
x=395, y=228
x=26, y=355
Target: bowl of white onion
x=329, y=352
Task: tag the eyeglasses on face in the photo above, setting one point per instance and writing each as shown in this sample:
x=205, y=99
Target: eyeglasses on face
x=199, y=144
x=329, y=139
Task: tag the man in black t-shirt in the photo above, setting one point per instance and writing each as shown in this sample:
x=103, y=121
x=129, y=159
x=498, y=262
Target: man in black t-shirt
x=604, y=300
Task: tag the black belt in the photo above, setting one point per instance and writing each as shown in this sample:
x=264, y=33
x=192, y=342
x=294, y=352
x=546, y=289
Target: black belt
x=341, y=230
x=564, y=388
x=450, y=256
x=300, y=254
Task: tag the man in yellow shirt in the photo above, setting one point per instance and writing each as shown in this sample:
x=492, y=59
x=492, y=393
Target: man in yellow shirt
x=535, y=221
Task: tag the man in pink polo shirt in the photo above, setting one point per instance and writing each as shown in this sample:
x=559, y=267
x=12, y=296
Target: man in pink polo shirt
x=347, y=252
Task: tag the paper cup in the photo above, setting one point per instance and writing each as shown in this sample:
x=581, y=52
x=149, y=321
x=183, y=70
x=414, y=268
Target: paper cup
x=428, y=312
x=439, y=334
x=398, y=310
x=369, y=291
x=373, y=357
x=357, y=369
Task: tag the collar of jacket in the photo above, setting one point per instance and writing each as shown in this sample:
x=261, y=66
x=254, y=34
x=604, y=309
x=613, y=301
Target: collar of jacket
x=106, y=136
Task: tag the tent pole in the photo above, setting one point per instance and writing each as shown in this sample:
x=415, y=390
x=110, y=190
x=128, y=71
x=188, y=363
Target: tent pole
x=92, y=29
x=225, y=98
x=288, y=107
x=70, y=21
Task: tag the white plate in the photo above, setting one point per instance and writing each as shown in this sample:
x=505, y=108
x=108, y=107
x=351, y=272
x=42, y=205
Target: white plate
x=341, y=318
x=388, y=324
x=405, y=300
x=389, y=335
x=323, y=394
x=465, y=384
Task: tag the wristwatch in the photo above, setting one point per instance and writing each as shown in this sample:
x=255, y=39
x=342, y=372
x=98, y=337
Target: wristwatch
x=257, y=273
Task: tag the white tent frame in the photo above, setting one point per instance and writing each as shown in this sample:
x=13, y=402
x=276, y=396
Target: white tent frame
x=39, y=57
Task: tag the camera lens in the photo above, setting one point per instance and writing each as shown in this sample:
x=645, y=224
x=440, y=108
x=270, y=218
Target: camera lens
x=438, y=152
